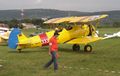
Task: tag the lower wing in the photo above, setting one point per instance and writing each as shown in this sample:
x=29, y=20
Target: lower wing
x=84, y=40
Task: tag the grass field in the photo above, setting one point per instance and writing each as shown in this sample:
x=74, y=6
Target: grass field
x=103, y=61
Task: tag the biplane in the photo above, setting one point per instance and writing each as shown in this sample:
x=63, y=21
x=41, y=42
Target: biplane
x=4, y=34
x=80, y=30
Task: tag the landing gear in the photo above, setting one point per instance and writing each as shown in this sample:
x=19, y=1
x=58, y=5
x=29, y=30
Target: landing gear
x=76, y=47
x=88, y=48
x=19, y=50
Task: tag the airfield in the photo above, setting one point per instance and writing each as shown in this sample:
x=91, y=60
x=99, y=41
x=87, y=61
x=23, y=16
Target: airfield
x=103, y=61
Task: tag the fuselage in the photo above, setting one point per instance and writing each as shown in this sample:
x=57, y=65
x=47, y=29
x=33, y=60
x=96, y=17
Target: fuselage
x=64, y=36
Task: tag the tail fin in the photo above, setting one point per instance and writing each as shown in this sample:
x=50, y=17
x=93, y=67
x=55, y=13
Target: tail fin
x=13, y=39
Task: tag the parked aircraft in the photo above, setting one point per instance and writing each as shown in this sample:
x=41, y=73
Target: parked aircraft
x=80, y=30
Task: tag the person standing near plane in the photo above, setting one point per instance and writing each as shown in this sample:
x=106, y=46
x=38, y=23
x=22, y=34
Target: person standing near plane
x=53, y=51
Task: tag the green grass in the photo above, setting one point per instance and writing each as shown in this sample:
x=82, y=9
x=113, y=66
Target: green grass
x=103, y=61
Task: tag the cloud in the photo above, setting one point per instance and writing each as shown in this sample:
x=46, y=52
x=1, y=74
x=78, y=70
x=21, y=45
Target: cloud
x=78, y=5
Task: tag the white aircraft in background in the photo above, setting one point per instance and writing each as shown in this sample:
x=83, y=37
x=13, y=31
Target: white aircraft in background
x=113, y=35
x=4, y=34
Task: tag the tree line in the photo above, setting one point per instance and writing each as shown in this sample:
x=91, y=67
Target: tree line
x=39, y=23
x=18, y=23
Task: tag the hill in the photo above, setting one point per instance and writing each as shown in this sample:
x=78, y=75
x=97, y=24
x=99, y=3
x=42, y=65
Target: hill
x=52, y=13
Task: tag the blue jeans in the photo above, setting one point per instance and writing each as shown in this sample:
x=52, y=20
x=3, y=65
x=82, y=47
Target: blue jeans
x=53, y=60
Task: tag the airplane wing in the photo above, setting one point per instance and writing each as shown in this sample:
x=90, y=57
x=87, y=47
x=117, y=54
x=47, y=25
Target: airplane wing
x=84, y=40
x=82, y=19
x=4, y=35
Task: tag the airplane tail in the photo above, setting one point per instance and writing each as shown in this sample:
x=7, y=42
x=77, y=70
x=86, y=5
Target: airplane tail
x=13, y=38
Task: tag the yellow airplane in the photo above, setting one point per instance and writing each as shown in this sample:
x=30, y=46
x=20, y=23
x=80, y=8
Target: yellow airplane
x=4, y=34
x=82, y=31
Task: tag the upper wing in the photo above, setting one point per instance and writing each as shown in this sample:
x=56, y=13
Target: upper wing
x=84, y=40
x=82, y=19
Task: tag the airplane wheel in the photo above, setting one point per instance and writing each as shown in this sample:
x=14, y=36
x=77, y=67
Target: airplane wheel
x=76, y=47
x=88, y=48
x=19, y=50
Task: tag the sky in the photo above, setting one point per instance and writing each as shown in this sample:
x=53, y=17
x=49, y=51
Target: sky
x=74, y=5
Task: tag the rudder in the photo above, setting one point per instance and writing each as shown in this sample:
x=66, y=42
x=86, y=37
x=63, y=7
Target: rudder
x=13, y=39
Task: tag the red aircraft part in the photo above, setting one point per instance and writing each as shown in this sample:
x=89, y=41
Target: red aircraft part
x=44, y=39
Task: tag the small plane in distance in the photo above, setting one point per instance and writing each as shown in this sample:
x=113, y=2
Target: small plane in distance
x=80, y=30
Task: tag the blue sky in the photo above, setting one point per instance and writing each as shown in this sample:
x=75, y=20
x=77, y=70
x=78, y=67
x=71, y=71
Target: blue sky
x=75, y=5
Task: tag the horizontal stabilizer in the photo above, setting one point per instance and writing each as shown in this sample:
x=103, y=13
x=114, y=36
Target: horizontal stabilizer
x=21, y=37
